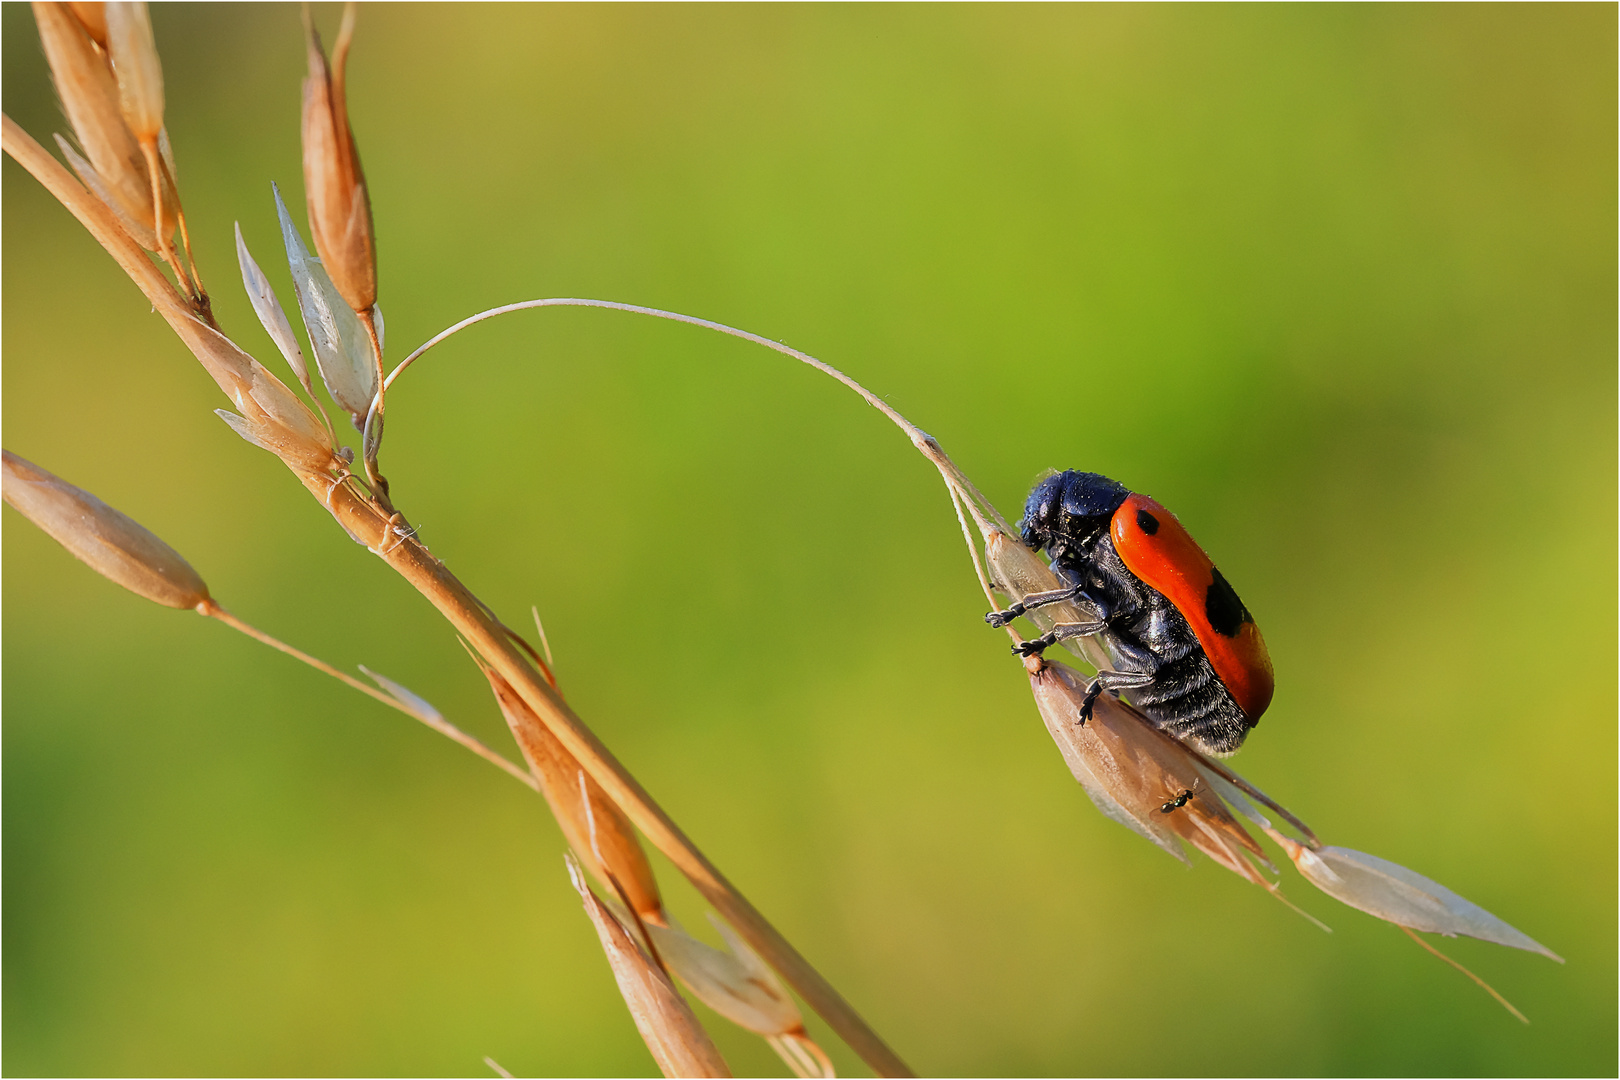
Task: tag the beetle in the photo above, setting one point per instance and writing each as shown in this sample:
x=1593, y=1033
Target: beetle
x=1186, y=652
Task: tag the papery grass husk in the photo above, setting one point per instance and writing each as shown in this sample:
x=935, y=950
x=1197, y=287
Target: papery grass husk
x=135, y=65
x=111, y=543
x=738, y=985
x=732, y=981
x=1395, y=894
x=667, y=1024
x=341, y=344
x=271, y=315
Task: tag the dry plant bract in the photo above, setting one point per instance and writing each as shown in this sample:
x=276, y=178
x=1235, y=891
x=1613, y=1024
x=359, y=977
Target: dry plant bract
x=104, y=63
x=677, y=1041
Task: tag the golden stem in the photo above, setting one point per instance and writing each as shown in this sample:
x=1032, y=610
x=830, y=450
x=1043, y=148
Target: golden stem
x=154, y=170
x=371, y=445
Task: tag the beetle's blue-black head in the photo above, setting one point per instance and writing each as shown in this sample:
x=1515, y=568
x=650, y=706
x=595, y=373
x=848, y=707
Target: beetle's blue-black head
x=1070, y=508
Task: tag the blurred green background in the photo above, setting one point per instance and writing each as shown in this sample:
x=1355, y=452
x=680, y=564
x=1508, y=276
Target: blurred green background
x=1336, y=284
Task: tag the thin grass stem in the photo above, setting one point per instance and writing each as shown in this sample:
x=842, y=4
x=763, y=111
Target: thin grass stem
x=925, y=443
x=442, y=726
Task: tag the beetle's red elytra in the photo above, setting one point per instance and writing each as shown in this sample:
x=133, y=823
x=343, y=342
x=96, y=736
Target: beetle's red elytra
x=1158, y=550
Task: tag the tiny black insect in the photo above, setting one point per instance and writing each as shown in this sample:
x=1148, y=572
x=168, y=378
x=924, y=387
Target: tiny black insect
x=1178, y=802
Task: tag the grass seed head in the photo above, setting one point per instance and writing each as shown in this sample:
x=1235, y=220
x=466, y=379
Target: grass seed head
x=1018, y=571
x=112, y=544
x=595, y=827
x=672, y=1033
x=135, y=63
x=335, y=186
x=113, y=165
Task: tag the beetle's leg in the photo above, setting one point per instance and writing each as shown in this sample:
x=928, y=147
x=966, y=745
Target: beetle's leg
x=1035, y=646
x=1033, y=600
x=1113, y=682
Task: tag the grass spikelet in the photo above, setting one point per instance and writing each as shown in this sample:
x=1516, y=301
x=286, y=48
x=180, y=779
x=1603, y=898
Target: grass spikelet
x=342, y=351
x=335, y=186
x=672, y=1033
x=111, y=543
x=90, y=97
x=135, y=64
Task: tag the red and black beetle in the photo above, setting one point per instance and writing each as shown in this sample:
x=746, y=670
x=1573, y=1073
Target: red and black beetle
x=1186, y=652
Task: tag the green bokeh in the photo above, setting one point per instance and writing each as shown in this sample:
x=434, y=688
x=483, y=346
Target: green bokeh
x=1337, y=284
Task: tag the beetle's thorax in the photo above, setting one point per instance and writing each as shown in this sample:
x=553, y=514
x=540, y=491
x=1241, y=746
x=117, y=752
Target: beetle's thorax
x=1068, y=510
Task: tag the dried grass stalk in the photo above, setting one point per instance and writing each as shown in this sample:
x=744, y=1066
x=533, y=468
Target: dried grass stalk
x=371, y=524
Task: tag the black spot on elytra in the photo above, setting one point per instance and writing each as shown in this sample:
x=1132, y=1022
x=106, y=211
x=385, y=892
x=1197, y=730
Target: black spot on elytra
x=1224, y=610
x=1147, y=522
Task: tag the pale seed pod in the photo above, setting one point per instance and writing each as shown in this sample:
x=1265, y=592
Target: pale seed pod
x=672, y=1033
x=601, y=834
x=135, y=63
x=342, y=350
x=112, y=544
x=1395, y=894
x=116, y=168
x=334, y=185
